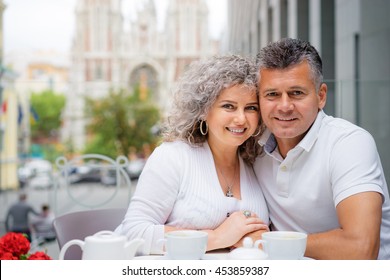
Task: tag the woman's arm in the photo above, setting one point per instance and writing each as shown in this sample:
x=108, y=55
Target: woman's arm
x=231, y=231
x=153, y=200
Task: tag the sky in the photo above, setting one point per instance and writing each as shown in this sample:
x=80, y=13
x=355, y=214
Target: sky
x=49, y=24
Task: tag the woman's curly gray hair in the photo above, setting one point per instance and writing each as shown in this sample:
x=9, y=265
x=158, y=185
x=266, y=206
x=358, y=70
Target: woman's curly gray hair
x=197, y=91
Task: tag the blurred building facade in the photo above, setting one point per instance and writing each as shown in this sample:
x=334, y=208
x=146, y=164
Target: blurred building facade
x=111, y=52
x=8, y=123
x=353, y=38
x=38, y=71
x=2, y=7
x=23, y=73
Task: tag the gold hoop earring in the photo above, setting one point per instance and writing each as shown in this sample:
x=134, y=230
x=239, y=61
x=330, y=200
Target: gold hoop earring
x=257, y=134
x=201, y=128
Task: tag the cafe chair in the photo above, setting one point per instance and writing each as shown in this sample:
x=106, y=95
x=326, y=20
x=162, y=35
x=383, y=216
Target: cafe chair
x=97, y=172
x=78, y=225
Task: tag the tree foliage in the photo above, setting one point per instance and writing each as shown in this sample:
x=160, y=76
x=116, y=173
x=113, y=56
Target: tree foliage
x=46, y=108
x=119, y=123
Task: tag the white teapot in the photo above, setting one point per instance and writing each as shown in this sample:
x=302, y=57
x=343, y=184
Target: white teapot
x=105, y=245
x=249, y=251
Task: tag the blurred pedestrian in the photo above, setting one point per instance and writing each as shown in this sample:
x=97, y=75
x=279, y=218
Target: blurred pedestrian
x=17, y=219
x=42, y=225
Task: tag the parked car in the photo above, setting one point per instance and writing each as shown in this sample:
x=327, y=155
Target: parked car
x=38, y=165
x=41, y=180
x=24, y=174
x=134, y=169
x=31, y=169
x=108, y=177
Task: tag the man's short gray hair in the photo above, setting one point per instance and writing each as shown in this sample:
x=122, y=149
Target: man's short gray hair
x=289, y=52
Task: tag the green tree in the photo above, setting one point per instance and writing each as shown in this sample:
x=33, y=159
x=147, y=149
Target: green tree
x=120, y=122
x=46, y=108
x=45, y=122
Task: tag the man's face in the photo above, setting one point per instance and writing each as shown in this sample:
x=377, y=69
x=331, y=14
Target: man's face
x=289, y=102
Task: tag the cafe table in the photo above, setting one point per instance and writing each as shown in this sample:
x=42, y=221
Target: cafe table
x=220, y=254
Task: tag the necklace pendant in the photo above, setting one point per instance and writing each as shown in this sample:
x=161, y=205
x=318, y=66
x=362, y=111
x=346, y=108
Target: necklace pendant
x=229, y=193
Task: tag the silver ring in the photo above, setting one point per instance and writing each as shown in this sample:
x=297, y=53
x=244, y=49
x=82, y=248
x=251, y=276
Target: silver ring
x=247, y=213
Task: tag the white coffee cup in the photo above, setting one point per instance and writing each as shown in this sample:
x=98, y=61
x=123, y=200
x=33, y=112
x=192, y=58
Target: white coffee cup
x=185, y=244
x=284, y=245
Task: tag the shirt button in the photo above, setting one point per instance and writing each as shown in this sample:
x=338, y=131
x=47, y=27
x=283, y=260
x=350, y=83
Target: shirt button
x=283, y=168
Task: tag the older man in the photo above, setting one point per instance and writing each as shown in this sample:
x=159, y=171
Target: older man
x=319, y=174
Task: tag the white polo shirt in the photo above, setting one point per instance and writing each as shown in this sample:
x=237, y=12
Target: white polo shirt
x=336, y=159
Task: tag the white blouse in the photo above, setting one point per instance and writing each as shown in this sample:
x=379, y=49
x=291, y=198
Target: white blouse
x=179, y=187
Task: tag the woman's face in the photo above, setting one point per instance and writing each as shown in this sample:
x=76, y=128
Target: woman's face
x=234, y=116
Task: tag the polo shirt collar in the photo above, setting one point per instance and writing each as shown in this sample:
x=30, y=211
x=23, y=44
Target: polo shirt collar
x=268, y=141
x=311, y=137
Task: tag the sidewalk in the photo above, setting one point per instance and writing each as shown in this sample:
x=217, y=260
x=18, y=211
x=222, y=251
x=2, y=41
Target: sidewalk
x=90, y=194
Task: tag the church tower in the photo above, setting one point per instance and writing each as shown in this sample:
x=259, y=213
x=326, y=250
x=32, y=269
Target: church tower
x=187, y=25
x=96, y=43
x=111, y=52
x=95, y=61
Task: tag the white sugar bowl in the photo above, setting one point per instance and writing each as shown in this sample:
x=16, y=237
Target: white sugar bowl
x=248, y=251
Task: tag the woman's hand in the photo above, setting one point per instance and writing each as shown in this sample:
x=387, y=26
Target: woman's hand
x=255, y=235
x=233, y=229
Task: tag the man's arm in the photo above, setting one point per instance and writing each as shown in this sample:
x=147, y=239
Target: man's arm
x=33, y=211
x=358, y=237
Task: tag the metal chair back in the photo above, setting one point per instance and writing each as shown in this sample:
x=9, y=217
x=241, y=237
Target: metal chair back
x=71, y=195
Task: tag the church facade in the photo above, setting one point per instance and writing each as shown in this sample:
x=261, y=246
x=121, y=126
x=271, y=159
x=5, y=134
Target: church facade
x=112, y=52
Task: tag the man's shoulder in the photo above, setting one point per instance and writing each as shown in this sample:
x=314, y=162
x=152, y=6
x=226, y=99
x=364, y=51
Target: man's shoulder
x=337, y=131
x=337, y=122
x=339, y=126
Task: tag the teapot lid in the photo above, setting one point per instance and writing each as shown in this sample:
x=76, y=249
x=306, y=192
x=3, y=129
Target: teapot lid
x=249, y=251
x=106, y=236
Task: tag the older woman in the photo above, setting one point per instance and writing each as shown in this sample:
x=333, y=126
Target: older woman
x=201, y=176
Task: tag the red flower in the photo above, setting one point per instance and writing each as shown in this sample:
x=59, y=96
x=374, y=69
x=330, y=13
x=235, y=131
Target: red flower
x=15, y=246
x=39, y=256
x=15, y=243
x=4, y=255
